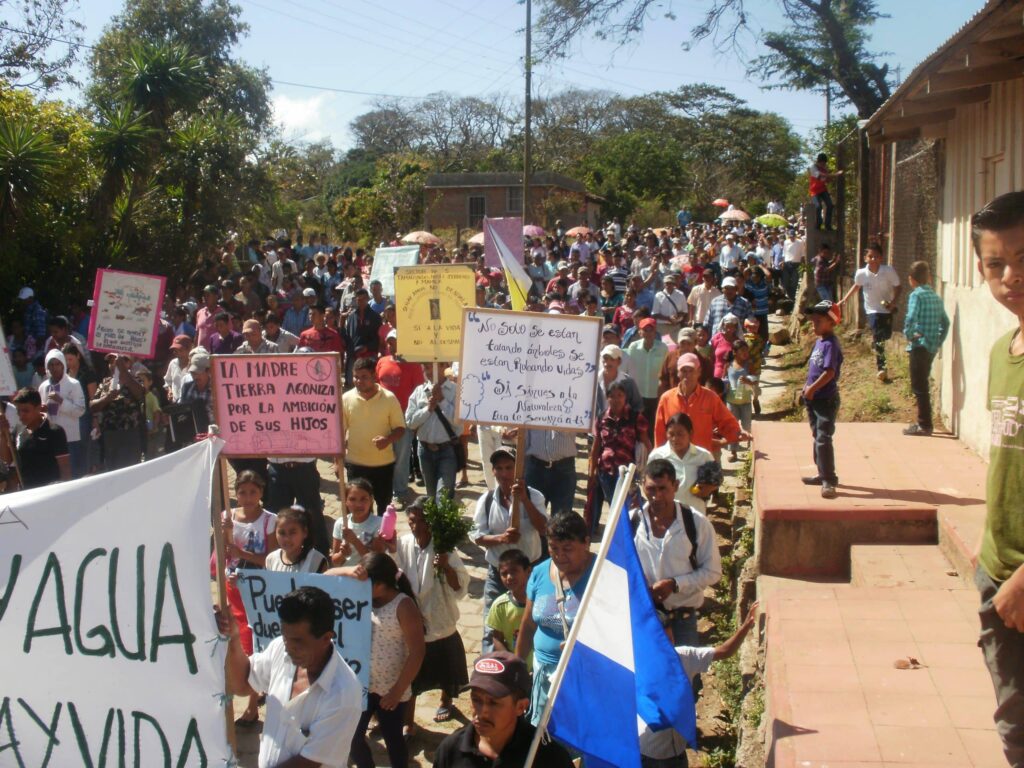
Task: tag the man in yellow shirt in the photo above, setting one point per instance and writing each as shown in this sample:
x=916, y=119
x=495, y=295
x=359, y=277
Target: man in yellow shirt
x=373, y=424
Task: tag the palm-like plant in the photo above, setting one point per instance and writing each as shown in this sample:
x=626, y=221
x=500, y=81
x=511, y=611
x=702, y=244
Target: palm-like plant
x=123, y=139
x=26, y=158
x=163, y=77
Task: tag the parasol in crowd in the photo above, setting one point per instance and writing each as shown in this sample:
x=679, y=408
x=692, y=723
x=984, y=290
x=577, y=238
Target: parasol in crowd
x=422, y=237
x=735, y=215
x=477, y=239
x=772, y=220
x=721, y=202
x=578, y=231
x=532, y=230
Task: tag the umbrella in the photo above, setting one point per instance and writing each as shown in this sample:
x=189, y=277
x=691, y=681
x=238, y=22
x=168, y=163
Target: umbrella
x=477, y=239
x=532, y=230
x=578, y=231
x=772, y=220
x=735, y=215
x=721, y=202
x=422, y=238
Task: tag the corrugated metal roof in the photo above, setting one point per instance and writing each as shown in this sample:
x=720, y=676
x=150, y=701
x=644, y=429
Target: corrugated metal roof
x=987, y=10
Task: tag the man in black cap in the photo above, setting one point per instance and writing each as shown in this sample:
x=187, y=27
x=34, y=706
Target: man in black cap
x=499, y=735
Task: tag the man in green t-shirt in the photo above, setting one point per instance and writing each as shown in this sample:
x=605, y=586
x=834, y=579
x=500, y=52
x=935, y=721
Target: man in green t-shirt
x=997, y=233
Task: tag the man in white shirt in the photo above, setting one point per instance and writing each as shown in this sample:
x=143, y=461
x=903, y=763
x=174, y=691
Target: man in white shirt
x=495, y=530
x=670, y=307
x=314, y=700
x=701, y=296
x=881, y=287
x=729, y=256
x=792, y=258
x=677, y=551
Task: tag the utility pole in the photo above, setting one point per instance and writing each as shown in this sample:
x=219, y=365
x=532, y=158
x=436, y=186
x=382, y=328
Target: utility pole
x=526, y=130
x=828, y=105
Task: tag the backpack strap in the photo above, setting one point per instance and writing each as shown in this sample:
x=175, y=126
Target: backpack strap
x=690, y=524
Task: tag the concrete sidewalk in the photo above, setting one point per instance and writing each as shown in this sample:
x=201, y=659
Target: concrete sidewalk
x=871, y=625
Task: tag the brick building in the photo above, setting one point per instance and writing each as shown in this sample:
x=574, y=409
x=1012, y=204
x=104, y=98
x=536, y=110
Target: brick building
x=461, y=200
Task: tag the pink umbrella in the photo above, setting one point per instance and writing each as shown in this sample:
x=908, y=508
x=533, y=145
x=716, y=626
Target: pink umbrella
x=578, y=231
x=422, y=237
x=735, y=215
x=532, y=230
x=721, y=202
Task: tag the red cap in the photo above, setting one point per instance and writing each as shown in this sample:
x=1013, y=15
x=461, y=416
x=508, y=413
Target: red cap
x=647, y=322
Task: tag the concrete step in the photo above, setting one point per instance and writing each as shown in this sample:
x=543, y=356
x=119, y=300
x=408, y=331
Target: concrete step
x=902, y=566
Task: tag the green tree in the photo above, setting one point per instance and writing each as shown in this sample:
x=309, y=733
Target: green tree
x=31, y=33
x=394, y=202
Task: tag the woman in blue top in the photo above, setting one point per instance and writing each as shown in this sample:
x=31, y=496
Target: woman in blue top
x=553, y=597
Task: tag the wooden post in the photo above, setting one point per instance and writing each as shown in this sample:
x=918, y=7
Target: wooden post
x=218, y=538
x=514, y=513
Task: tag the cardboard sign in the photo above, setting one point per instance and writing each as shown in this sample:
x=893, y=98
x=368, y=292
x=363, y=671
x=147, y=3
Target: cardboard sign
x=262, y=592
x=528, y=369
x=107, y=633
x=8, y=384
x=387, y=260
x=428, y=303
x=126, y=312
x=278, y=405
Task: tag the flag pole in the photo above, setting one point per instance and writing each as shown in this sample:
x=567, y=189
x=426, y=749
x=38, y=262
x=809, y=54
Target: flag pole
x=618, y=499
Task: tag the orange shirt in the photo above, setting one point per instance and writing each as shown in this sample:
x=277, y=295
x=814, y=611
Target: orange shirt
x=705, y=409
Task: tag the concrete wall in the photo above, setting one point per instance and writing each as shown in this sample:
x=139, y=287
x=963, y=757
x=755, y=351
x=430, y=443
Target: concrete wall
x=984, y=157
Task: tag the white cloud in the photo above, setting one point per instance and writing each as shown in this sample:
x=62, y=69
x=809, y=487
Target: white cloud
x=306, y=119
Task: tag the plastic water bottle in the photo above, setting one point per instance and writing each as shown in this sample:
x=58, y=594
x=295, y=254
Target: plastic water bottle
x=388, y=522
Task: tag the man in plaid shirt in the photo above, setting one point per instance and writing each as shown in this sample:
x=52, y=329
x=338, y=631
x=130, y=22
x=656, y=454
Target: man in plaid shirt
x=925, y=327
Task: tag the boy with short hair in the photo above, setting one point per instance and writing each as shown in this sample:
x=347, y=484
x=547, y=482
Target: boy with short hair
x=757, y=346
x=506, y=613
x=925, y=327
x=997, y=233
x=821, y=394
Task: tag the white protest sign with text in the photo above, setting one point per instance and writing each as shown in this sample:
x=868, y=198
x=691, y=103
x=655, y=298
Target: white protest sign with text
x=262, y=592
x=8, y=384
x=386, y=260
x=528, y=369
x=110, y=651
x=126, y=312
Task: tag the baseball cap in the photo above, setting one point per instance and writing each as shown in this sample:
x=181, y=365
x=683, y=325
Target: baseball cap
x=689, y=360
x=729, y=281
x=181, y=341
x=26, y=293
x=199, y=363
x=501, y=674
x=647, y=322
x=612, y=328
x=211, y=288
x=613, y=351
x=687, y=334
x=563, y=265
x=308, y=292
x=502, y=453
x=392, y=334
x=829, y=309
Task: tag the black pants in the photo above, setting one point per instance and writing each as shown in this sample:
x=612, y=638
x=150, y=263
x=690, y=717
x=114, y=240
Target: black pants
x=920, y=371
x=823, y=200
x=821, y=414
x=1004, y=656
x=881, y=332
x=650, y=413
x=381, y=478
x=299, y=483
x=391, y=722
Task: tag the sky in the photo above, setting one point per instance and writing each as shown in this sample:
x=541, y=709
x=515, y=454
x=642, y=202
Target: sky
x=318, y=52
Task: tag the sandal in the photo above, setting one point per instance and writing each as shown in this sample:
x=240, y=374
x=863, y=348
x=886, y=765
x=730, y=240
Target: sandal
x=443, y=715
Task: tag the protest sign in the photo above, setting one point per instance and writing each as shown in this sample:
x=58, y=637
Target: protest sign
x=8, y=384
x=528, y=369
x=261, y=595
x=509, y=230
x=110, y=651
x=278, y=405
x=126, y=312
x=386, y=260
x=428, y=303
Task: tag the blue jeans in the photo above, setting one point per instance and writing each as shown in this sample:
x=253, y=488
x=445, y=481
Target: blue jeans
x=557, y=482
x=1003, y=649
x=438, y=468
x=823, y=200
x=78, y=451
x=791, y=278
x=744, y=413
x=821, y=414
x=881, y=331
x=684, y=629
x=403, y=449
x=824, y=292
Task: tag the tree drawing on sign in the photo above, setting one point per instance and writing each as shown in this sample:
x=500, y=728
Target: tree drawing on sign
x=472, y=395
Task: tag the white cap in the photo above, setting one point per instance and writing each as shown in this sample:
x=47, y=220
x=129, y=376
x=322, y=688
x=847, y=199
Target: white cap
x=729, y=281
x=392, y=334
x=308, y=292
x=26, y=293
x=613, y=351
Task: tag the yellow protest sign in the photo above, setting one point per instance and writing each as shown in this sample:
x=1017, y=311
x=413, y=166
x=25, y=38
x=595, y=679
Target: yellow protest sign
x=428, y=303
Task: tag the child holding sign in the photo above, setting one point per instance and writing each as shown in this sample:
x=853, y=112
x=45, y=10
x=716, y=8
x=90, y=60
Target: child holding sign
x=361, y=535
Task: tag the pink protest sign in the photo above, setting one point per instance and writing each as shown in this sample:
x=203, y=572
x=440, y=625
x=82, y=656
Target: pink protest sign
x=126, y=312
x=278, y=405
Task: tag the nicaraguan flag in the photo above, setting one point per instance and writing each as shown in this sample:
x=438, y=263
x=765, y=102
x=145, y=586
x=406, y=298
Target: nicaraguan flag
x=623, y=670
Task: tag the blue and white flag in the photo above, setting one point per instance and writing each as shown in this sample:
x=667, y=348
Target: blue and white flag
x=622, y=671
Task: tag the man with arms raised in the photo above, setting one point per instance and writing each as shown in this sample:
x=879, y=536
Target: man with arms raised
x=314, y=700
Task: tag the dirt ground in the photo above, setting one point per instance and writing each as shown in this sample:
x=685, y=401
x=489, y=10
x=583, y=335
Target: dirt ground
x=710, y=708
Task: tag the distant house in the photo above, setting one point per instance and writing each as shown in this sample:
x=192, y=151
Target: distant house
x=461, y=200
x=947, y=141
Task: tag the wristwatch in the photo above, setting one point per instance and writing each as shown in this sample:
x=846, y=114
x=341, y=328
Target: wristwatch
x=675, y=586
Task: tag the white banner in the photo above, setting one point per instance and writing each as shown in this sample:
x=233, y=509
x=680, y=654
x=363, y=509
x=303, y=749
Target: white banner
x=110, y=654
x=8, y=384
x=528, y=369
x=387, y=260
